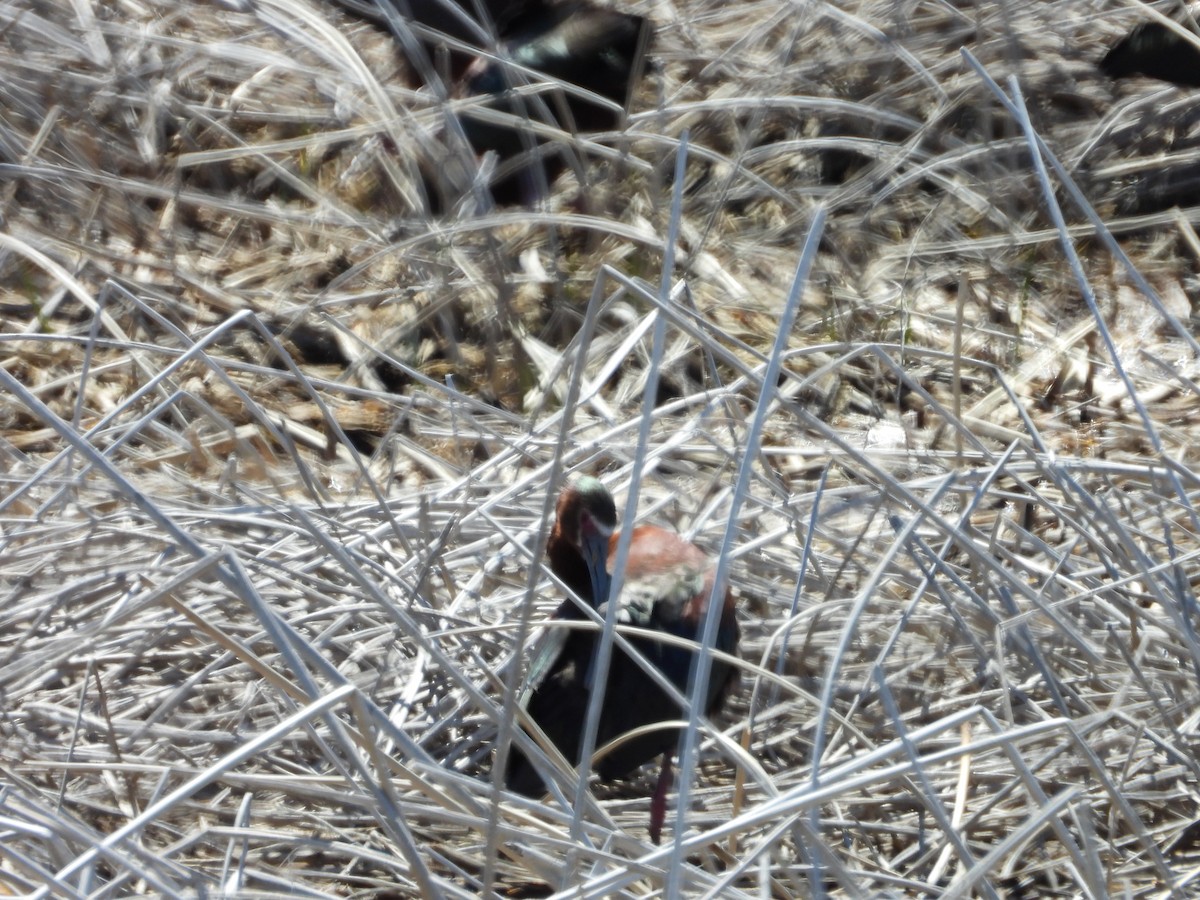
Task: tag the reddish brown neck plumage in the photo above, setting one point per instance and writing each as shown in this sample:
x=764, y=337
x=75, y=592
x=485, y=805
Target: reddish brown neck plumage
x=584, y=504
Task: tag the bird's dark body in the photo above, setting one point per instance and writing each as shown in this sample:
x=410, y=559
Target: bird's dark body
x=566, y=43
x=456, y=19
x=667, y=583
x=570, y=41
x=573, y=43
x=1156, y=51
x=595, y=49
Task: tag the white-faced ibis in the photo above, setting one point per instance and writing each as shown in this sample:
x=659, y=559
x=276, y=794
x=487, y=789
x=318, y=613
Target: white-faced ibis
x=667, y=584
x=1156, y=51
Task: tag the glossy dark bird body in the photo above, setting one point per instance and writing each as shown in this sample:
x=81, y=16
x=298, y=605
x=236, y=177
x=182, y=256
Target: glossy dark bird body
x=667, y=585
x=575, y=46
x=456, y=19
x=574, y=43
x=569, y=45
x=1156, y=51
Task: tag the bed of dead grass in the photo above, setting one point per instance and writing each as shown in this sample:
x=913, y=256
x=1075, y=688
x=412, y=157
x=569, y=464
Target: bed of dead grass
x=913, y=356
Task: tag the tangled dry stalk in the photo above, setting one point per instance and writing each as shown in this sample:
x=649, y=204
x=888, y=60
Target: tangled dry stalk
x=279, y=446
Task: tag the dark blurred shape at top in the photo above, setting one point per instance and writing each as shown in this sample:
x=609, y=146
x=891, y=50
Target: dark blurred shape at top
x=456, y=19
x=598, y=50
x=1154, y=50
x=521, y=44
x=572, y=42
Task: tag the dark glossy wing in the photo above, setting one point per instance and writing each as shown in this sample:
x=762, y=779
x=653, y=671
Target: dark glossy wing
x=557, y=701
x=559, y=706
